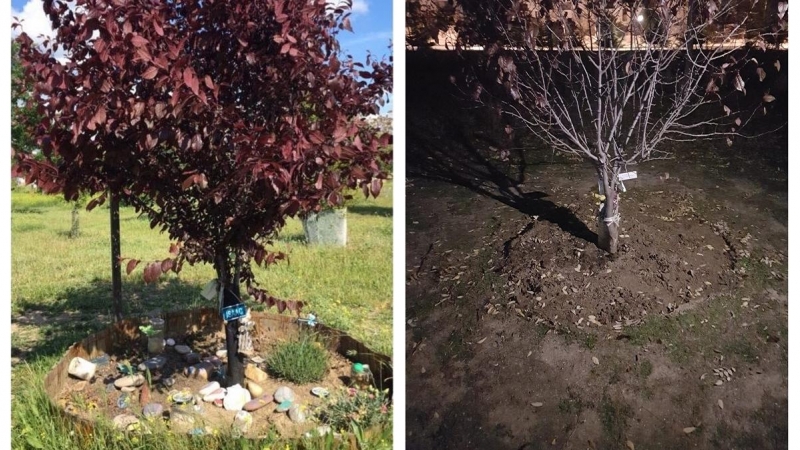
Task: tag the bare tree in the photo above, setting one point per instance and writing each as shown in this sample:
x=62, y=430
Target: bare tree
x=622, y=80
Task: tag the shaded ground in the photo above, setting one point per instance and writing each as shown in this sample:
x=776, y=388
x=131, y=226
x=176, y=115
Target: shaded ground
x=521, y=334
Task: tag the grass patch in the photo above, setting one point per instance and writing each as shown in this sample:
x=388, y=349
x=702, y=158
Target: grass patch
x=572, y=404
x=301, y=361
x=644, y=369
x=686, y=335
x=614, y=416
x=348, y=288
x=368, y=407
x=742, y=348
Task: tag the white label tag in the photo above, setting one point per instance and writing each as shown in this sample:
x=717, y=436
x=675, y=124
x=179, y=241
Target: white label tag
x=627, y=176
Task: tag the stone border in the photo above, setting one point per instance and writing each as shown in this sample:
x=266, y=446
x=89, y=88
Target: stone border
x=126, y=334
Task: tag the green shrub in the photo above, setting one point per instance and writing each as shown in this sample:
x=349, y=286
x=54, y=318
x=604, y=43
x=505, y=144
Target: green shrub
x=301, y=361
x=348, y=407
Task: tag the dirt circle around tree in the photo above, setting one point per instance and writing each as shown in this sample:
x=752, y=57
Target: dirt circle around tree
x=666, y=261
x=89, y=401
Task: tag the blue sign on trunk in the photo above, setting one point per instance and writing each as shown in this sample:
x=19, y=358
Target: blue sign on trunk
x=234, y=312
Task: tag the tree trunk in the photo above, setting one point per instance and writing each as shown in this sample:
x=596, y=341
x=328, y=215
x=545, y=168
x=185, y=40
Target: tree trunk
x=75, y=229
x=608, y=216
x=231, y=296
x=116, y=267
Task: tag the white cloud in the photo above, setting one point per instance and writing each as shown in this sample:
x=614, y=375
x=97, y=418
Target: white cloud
x=360, y=7
x=33, y=20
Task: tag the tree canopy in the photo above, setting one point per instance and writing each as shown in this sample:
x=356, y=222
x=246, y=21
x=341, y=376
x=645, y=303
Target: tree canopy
x=216, y=119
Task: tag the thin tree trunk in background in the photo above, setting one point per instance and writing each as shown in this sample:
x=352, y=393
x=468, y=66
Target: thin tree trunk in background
x=116, y=267
x=75, y=229
x=691, y=36
x=231, y=296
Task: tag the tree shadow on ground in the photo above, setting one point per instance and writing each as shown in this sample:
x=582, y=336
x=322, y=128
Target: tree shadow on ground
x=371, y=210
x=454, y=158
x=76, y=313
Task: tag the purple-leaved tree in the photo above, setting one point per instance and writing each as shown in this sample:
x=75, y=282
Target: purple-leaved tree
x=216, y=119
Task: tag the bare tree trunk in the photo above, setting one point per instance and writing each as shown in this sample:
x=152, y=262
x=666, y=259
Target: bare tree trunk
x=231, y=296
x=75, y=229
x=116, y=267
x=608, y=216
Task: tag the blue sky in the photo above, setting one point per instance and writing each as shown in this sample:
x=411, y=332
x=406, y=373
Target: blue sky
x=371, y=21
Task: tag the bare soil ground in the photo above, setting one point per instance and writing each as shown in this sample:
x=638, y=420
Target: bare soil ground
x=522, y=334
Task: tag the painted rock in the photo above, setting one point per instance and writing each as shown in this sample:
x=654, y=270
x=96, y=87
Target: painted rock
x=180, y=416
x=217, y=394
x=320, y=392
x=82, y=369
x=284, y=394
x=213, y=360
x=254, y=373
x=183, y=349
x=200, y=371
x=258, y=403
x=153, y=410
x=283, y=406
x=144, y=395
x=209, y=388
x=255, y=390
x=102, y=360
x=191, y=358
x=123, y=421
x=236, y=398
x=123, y=401
x=129, y=381
x=297, y=414
x=242, y=421
x=155, y=363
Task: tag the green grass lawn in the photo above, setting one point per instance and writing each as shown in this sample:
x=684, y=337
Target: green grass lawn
x=61, y=286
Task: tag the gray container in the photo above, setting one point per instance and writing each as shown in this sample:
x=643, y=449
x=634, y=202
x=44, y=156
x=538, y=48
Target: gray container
x=327, y=227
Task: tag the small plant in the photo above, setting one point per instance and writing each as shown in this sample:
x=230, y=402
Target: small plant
x=364, y=408
x=126, y=368
x=148, y=330
x=301, y=361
